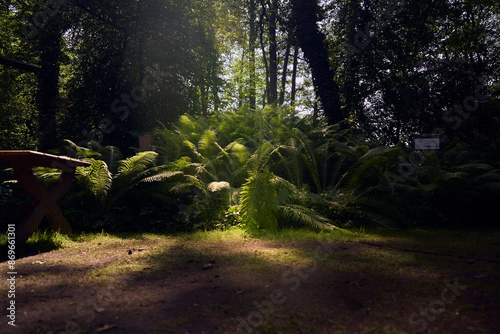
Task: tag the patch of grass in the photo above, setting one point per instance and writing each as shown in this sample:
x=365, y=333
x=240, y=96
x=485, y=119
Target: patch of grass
x=108, y=252
x=39, y=242
x=230, y=234
x=121, y=267
x=49, y=238
x=306, y=235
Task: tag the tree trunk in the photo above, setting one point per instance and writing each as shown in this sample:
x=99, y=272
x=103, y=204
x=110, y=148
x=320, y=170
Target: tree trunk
x=285, y=72
x=251, y=46
x=273, y=53
x=241, y=85
x=352, y=62
x=48, y=85
x=204, y=101
x=294, y=75
x=263, y=48
x=312, y=41
x=215, y=94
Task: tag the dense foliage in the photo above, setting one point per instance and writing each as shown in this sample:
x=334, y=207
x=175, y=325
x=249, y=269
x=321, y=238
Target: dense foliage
x=263, y=113
x=271, y=169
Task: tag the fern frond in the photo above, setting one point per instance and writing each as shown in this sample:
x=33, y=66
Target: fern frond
x=192, y=148
x=378, y=151
x=475, y=167
x=285, y=189
x=446, y=176
x=308, y=157
x=493, y=176
x=162, y=176
x=258, y=202
x=207, y=142
x=357, y=175
x=137, y=163
x=181, y=188
x=46, y=175
x=186, y=123
x=370, y=203
x=239, y=151
x=194, y=181
x=97, y=179
x=380, y=220
x=306, y=216
x=82, y=152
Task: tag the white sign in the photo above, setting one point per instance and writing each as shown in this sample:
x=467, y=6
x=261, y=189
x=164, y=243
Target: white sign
x=427, y=142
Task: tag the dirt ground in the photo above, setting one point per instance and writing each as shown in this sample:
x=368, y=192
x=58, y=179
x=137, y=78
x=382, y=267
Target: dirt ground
x=160, y=285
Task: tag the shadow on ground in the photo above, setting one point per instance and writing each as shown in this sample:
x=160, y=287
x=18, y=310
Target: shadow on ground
x=252, y=286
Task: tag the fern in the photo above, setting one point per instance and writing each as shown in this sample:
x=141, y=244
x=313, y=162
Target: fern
x=207, y=144
x=46, y=175
x=108, y=188
x=132, y=169
x=357, y=175
x=300, y=213
x=82, y=152
x=239, y=151
x=162, y=176
x=258, y=202
x=97, y=179
x=265, y=199
x=382, y=206
x=111, y=155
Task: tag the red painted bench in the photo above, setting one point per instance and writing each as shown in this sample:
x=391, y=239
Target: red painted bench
x=23, y=163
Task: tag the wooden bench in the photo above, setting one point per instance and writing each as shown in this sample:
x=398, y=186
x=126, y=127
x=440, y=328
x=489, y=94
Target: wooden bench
x=23, y=163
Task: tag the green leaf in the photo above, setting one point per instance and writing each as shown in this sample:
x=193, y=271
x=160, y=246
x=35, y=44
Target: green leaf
x=258, y=202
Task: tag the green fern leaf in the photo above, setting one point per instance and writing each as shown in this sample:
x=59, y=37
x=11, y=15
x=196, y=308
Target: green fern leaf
x=206, y=145
x=306, y=216
x=162, y=176
x=258, y=202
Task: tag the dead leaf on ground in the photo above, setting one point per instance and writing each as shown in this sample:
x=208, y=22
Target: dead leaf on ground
x=105, y=328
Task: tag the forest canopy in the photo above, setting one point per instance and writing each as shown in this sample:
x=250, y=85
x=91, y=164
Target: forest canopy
x=112, y=70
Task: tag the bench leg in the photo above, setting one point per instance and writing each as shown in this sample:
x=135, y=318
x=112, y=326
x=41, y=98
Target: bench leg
x=46, y=199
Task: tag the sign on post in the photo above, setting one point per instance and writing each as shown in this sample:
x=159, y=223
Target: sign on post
x=427, y=142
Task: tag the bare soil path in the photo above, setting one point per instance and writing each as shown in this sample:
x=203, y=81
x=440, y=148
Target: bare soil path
x=159, y=284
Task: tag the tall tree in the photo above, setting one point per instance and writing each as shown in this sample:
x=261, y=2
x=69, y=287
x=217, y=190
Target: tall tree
x=18, y=108
x=285, y=72
x=273, y=51
x=48, y=84
x=304, y=22
x=252, y=38
x=268, y=23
